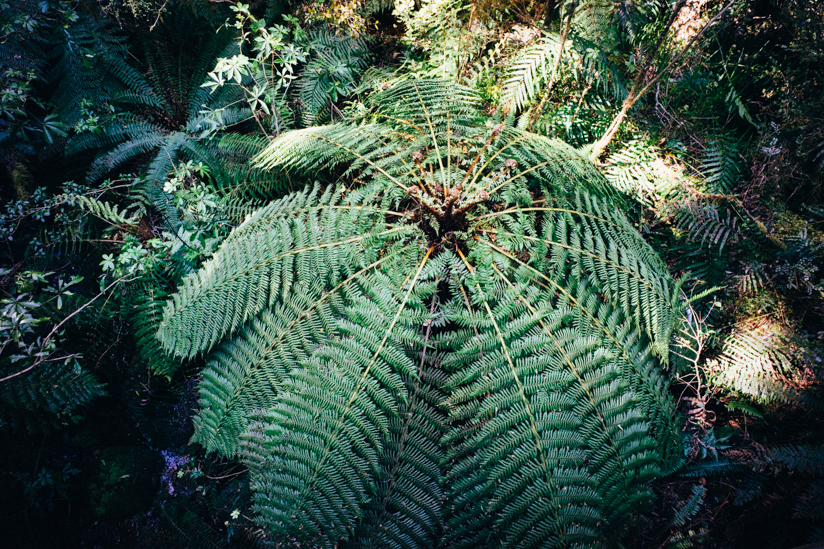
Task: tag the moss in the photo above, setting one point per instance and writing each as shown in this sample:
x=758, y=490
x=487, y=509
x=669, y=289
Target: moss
x=87, y=438
x=124, y=483
x=22, y=182
x=789, y=224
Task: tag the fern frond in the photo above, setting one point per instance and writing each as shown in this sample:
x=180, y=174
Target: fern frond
x=408, y=508
x=125, y=129
x=236, y=210
x=242, y=145
x=707, y=468
x=124, y=152
x=327, y=238
x=802, y=458
x=325, y=434
x=686, y=511
x=811, y=504
x=336, y=63
x=146, y=314
x=330, y=146
x=189, y=528
x=637, y=290
x=594, y=20
x=248, y=371
x=45, y=397
x=525, y=74
x=101, y=209
x=384, y=145
x=638, y=171
x=758, y=363
x=535, y=392
x=719, y=165
x=705, y=222
x=220, y=44
x=753, y=277
x=416, y=103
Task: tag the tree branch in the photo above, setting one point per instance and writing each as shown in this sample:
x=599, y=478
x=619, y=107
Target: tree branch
x=689, y=45
x=638, y=87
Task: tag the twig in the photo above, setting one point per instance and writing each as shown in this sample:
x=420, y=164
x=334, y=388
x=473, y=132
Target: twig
x=40, y=360
x=227, y=476
x=686, y=49
x=156, y=21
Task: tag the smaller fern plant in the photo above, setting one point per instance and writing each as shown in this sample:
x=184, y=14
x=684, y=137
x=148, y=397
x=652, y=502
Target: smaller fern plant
x=47, y=397
x=461, y=343
x=720, y=165
x=163, y=117
x=766, y=364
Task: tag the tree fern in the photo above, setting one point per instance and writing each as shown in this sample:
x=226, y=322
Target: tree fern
x=462, y=344
x=164, y=115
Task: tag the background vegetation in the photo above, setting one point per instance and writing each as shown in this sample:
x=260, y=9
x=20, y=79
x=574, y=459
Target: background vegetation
x=128, y=130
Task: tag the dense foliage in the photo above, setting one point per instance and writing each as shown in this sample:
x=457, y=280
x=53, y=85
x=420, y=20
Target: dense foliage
x=411, y=274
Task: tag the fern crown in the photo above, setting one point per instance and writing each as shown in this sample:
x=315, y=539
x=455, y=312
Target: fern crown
x=460, y=343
